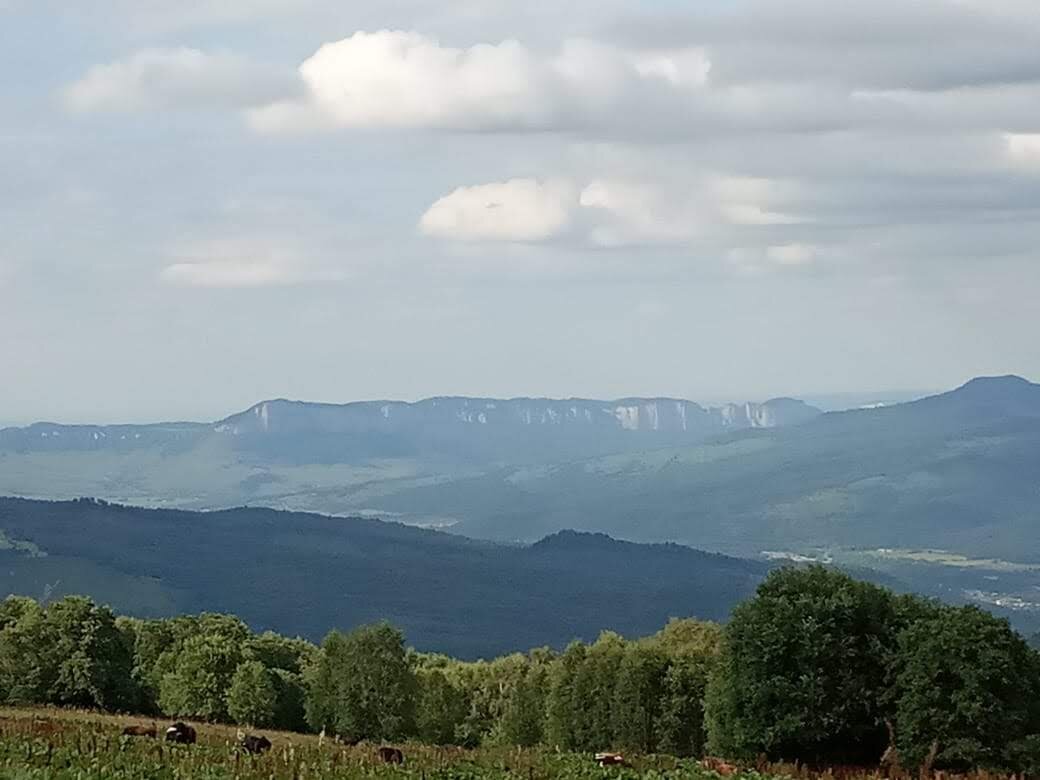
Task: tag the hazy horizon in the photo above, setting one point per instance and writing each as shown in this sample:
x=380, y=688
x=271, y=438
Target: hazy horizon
x=209, y=204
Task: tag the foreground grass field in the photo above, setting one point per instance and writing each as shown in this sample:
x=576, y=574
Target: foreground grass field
x=57, y=744
x=60, y=744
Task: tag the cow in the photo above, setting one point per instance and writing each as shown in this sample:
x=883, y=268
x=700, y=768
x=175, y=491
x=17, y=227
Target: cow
x=610, y=759
x=251, y=743
x=391, y=755
x=719, y=766
x=140, y=731
x=181, y=733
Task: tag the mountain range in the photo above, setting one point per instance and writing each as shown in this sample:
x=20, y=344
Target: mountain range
x=941, y=493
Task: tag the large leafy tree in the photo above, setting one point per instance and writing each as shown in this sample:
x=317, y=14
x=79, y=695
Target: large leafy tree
x=201, y=669
x=363, y=686
x=94, y=659
x=252, y=697
x=970, y=686
x=802, y=674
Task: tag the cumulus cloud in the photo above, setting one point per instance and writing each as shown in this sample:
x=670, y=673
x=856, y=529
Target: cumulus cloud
x=399, y=79
x=605, y=212
x=240, y=263
x=514, y=210
x=183, y=77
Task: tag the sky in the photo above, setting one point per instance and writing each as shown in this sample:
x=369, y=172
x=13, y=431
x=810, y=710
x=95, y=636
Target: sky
x=205, y=204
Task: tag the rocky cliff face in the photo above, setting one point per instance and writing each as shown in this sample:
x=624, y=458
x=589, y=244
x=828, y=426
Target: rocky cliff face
x=480, y=429
x=665, y=415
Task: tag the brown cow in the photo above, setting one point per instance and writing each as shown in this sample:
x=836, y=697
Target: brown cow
x=140, y=731
x=391, y=755
x=719, y=766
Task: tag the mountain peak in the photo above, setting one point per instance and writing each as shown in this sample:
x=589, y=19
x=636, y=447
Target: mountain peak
x=1005, y=381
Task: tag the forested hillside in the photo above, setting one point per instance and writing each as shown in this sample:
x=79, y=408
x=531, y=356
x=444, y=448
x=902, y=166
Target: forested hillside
x=304, y=574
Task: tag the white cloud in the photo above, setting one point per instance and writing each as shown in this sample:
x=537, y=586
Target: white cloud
x=755, y=260
x=1023, y=147
x=240, y=263
x=792, y=254
x=402, y=79
x=608, y=211
x=179, y=78
x=630, y=212
x=514, y=210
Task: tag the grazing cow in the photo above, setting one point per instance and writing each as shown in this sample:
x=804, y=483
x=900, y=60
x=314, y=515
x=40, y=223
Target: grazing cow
x=610, y=759
x=251, y=743
x=391, y=755
x=719, y=766
x=140, y=731
x=181, y=733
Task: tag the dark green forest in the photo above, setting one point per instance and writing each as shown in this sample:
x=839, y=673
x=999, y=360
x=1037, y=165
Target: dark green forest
x=447, y=593
x=815, y=667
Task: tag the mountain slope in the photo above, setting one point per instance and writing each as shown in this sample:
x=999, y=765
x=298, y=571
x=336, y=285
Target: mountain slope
x=331, y=458
x=305, y=574
x=959, y=471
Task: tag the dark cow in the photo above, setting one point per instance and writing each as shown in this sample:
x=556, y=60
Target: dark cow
x=251, y=743
x=391, y=755
x=140, y=731
x=181, y=733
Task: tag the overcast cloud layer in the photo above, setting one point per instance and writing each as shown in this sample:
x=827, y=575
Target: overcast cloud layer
x=205, y=204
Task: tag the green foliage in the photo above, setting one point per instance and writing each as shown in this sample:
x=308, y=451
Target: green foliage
x=593, y=693
x=803, y=670
x=252, y=697
x=971, y=685
x=639, y=694
x=680, y=726
x=70, y=652
x=198, y=682
x=441, y=708
x=523, y=721
x=812, y=669
x=290, y=700
x=363, y=686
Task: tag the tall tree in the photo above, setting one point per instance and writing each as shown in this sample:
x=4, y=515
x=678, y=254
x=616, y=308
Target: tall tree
x=94, y=660
x=198, y=683
x=363, y=686
x=594, y=686
x=638, y=697
x=680, y=727
x=562, y=707
x=252, y=697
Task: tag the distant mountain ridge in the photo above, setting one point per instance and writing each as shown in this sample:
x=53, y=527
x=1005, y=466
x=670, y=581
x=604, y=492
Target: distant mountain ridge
x=505, y=430
x=628, y=414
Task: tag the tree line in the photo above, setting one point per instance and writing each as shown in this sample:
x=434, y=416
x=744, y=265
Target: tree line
x=816, y=667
